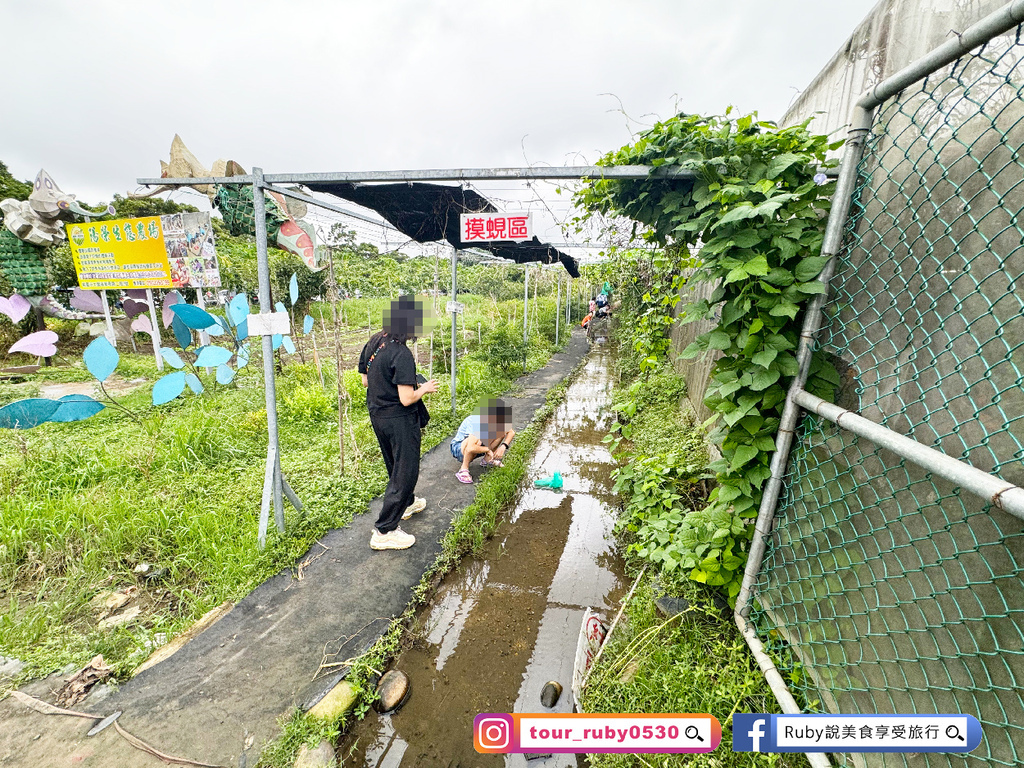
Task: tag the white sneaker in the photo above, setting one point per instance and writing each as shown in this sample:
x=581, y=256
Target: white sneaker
x=396, y=539
x=418, y=505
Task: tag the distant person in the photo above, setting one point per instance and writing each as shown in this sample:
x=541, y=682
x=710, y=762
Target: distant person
x=602, y=305
x=486, y=433
x=397, y=416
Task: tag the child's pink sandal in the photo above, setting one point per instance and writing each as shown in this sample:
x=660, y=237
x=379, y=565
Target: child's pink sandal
x=463, y=476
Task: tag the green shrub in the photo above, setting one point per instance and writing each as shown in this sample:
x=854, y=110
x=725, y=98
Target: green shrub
x=504, y=348
x=306, y=404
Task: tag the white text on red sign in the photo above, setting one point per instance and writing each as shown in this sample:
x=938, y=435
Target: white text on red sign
x=495, y=227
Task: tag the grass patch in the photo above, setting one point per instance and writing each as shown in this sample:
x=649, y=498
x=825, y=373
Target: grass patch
x=693, y=662
x=297, y=730
x=83, y=504
x=696, y=661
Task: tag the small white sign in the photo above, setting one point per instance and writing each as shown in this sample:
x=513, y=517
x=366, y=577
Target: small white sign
x=495, y=227
x=455, y=306
x=268, y=323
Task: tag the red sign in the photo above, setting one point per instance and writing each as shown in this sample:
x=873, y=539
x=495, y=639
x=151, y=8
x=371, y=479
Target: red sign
x=492, y=227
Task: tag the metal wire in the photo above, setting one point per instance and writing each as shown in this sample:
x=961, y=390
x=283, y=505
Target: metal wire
x=886, y=589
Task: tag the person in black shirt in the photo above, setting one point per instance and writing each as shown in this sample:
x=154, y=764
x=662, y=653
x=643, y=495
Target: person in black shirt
x=392, y=398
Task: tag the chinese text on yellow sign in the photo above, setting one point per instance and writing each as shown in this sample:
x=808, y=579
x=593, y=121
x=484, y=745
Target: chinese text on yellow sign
x=124, y=253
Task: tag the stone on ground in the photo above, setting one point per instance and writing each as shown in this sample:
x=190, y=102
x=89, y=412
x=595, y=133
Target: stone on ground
x=671, y=606
x=10, y=666
x=550, y=693
x=393, y=691
x=339, y=700
x=321, y=756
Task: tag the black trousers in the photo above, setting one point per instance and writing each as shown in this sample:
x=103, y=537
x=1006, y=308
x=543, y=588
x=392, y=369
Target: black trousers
x=399, y=440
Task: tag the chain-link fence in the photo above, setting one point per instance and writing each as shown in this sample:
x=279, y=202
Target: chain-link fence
x=886, y=589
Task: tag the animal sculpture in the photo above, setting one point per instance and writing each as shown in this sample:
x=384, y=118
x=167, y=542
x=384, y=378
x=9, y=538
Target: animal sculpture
x=29, y=228
x=285, y=226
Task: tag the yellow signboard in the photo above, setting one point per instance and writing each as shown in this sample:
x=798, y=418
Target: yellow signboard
x=123, y=253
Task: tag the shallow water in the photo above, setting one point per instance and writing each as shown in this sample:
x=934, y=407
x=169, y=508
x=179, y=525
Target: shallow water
x=505, y=623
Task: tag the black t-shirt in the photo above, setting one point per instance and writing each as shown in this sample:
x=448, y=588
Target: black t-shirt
x=392, y=366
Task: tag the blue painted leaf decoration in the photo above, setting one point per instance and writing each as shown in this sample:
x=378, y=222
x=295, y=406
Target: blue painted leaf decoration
x=168, y=387
x=289, y=345
x=181, y=332
x=76, y=408
x=195, y=318
x=101, y=358
x=238, y=309
x=224, y=374
x=242, y=358
x=293, y=289
x=279, y=307
x=171, y=357
x=276, y=340
x=211, y=356
x=242, y=330
x=307, y=324
x=28, y=413
x=219, y=327
x=194, y=383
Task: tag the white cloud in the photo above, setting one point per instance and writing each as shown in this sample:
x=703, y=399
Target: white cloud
x=302, y=86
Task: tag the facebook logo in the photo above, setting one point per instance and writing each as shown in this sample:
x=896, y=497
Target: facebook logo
x=751, y=732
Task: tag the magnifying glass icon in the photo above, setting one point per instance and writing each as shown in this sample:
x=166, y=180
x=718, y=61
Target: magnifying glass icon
x=952, y=732
x=692, y=733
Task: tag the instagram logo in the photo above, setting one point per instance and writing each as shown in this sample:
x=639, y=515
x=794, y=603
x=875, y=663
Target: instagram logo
x=492, y=733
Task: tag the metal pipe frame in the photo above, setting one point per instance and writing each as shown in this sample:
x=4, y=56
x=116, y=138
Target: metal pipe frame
x=623, y=172
x=558, y=310
x=455, y=320
x=271, y=485
x=327, y=206
x=993, y=25
x=997, y=492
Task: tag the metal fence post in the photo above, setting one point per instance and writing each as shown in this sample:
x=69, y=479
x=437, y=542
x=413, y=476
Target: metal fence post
x=455, y=317
x=558, y=307
x=526, y=311
x=157, y=341
x=270, y=392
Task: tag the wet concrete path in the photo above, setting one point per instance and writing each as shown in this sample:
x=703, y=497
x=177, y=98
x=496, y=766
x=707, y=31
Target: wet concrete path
x=507, y=622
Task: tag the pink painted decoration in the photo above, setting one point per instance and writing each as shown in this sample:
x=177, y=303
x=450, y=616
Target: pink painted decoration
x=170, y=300
x=40, y=343
x=142, y=324
x=15, y=307
x=87, y=301
x=139, y=294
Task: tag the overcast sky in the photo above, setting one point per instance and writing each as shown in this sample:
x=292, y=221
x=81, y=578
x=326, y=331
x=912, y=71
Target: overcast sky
x=95, y=91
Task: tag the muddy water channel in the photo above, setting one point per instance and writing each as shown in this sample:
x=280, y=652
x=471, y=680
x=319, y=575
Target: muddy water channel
x=504, y=624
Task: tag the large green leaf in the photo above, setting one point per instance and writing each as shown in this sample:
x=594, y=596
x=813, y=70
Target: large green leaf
x=809, y=268
x=780, y=163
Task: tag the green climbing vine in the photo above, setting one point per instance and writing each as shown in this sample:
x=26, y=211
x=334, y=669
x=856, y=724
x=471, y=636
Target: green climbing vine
x=754, y=215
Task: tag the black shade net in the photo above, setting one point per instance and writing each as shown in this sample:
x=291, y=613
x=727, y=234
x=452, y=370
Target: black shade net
x=430, y=212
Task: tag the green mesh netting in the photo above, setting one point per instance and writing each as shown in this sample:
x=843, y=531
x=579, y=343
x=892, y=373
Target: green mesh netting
x=22, y=264
x=885, y=589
